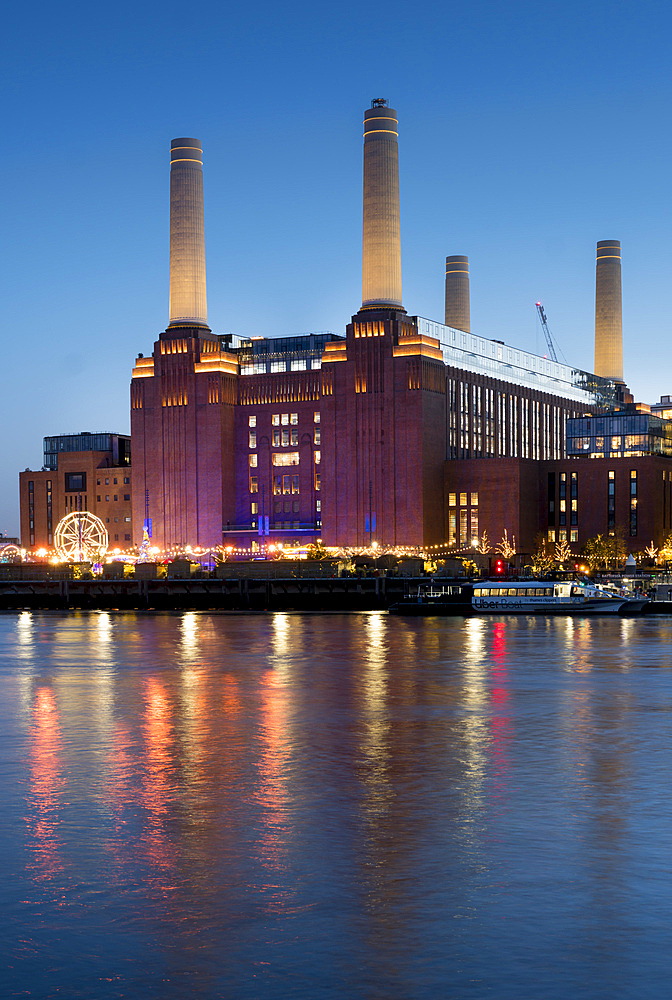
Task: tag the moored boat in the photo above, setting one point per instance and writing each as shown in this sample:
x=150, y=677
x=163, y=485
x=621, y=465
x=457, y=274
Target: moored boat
x=563, y=597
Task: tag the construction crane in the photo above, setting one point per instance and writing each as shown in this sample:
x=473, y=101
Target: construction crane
x=547, y=332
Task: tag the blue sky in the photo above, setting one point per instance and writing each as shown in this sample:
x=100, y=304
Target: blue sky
x=527, y=133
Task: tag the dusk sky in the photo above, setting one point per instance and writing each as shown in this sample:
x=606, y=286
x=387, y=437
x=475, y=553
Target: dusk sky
x=527, y=132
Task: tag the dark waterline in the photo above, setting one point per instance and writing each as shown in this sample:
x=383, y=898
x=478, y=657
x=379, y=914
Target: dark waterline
x=323, y=806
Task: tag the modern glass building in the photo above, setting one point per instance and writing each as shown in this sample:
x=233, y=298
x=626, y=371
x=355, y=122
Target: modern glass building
x=626, y=433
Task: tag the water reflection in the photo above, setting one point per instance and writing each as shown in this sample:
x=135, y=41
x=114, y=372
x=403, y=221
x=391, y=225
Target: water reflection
x=382, y=804
x=46, y=782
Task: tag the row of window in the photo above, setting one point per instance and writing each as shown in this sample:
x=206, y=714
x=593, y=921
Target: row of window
x=282, y=419
x=115, y=497
x=562, y=535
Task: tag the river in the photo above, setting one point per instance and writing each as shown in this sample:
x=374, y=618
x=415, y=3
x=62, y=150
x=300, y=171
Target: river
x=323, y=806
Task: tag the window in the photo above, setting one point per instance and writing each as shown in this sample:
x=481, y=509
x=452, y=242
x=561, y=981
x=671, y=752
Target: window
x=127, y=496
x=551, y=534
x=275, y=419
x=452, y=499
x=463, y=499
x=285, y=439
x=253, y=439
x=318, y=482
x=316, y=417
x=254, y=484
x=474, y=499
x=276, y=438
x=107, y=497
x=277, y=485
x=253, y=461
x=98, y=480
x=127, y=480
x=284, y=419
x=296, y=506
x=278, y=366
x=299, y=366
x=127, y=538
x=294, y=418
x=116, y=496
x=318, y=457
x=114, y=482
x=254, y=508
x=573, y=536
x=285, y=458
x=252, y=421
x=75, y=482
x=295, y=484
x=317, y=436
x=107, y=482
x=127, y=519
x=294, y=437
x=318, y=505
x=98, y=498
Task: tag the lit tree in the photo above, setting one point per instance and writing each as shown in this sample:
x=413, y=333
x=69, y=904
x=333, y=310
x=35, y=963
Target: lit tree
x=651, y=551
x=541, y=559
x=506, y=548
x=563, y=553
x=484, y=544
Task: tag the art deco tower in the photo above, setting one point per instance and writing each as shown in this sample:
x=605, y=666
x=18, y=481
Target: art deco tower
x=188, y=305
x=457, y=293
x=381, y=261
x=608, y=315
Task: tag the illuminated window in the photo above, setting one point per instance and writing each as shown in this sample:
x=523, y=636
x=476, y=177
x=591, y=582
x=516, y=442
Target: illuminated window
x=254, y=508
x=318, y=505
x=278, y=366
x=295, y=484
x=277, y=485
x=294, y=436
x=452, y=499
x=318, y=482
x=254, y=484
x=573, y=535
x=253, y=439
x=316, y=417
x=285, y=458
x=276, y=437
x=253, y=461
x=286, y=484
x=252, y=421
x=562, y=535
x=285, y=439
x=299, y=365
x=551, y=534
x=474, y=499
x=463, y=499
x=294, y=418
x=316, y=436
x=275, y=419
x=284, y=419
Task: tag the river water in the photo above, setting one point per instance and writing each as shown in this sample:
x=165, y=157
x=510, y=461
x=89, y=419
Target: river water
x=321, y=806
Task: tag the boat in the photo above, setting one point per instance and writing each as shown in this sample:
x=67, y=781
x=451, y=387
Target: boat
x=546, y=597
x=436, y=599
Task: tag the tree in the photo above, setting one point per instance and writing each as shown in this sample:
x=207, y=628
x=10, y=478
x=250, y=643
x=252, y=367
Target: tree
x=484, y=543
x=506, y=548
x=563, y=553
x=542, y=559
x=317, y=551
x=596, y=551
x=651, y=551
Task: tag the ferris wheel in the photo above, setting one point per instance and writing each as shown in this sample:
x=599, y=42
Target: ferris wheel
x=81, y=537
x=9, y=553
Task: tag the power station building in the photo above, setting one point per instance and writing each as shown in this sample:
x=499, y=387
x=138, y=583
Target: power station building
x=404, y=432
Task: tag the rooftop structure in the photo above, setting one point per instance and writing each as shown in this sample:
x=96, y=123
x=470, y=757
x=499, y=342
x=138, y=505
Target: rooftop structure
x=624, y=433
x=117, y=445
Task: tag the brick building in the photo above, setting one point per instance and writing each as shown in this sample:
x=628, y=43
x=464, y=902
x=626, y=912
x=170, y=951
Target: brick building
x=81, y=472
